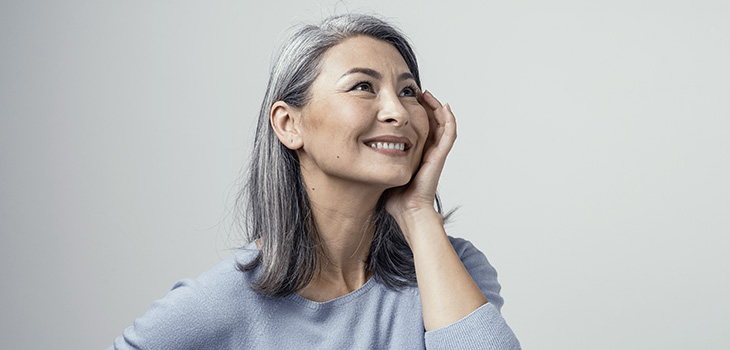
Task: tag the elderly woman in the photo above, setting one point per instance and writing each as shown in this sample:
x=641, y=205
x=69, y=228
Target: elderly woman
x=346, y=248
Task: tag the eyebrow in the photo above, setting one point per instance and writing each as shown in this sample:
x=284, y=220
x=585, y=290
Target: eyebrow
x=406, y=76
x=367, y=71
x=375, y=74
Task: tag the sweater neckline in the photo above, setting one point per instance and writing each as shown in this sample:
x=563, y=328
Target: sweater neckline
x=336, y=301
x=369, y=284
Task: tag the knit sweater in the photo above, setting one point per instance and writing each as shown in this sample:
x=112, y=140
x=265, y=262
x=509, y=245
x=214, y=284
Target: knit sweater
x=219, y=310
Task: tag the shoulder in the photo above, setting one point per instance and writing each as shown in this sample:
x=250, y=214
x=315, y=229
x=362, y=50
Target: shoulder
x=224, y=290
x=226, y=275
x=478, y=266
x=196, y=312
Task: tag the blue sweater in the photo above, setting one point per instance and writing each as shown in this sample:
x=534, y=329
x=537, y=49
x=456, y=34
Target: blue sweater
x=218, y=310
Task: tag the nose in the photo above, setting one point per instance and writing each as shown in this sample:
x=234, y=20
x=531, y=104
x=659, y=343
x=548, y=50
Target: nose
x=392, y=110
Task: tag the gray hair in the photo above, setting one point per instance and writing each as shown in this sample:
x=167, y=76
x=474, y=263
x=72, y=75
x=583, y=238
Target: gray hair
x=274, y=205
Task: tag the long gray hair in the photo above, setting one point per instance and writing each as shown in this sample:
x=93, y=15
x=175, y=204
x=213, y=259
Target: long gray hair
x=274, y=205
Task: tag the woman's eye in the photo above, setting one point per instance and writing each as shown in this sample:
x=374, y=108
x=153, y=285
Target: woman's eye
x=408, y=92
x=363, y=86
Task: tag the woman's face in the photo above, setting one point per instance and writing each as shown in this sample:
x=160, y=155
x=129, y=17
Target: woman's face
x=363, y=123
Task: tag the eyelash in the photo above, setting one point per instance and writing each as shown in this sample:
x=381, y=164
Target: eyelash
x=364, y=82
x=411, y=87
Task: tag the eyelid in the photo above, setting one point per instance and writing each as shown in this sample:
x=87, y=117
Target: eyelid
x=361, y=82
x=371, y=86
x=413, y=87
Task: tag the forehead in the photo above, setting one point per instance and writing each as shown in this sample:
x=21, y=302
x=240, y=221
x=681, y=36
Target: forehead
x=365, y=52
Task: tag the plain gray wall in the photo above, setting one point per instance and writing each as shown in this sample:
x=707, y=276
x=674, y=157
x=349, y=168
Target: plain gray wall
x=592, y=163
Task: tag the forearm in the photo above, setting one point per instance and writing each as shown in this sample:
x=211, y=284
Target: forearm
x=448, y=293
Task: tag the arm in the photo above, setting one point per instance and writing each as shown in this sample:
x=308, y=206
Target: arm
x=484, y=328
x=441, y=275
x=178, y=321
x=456, y=311
x=448, y=292
x=198, y=313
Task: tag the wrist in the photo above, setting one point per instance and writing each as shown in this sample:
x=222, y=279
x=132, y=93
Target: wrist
x=414, y=216
x=420, y=224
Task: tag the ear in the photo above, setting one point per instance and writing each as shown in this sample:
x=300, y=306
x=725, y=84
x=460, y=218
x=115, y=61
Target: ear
x=285, y=122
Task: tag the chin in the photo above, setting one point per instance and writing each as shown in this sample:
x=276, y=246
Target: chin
x=395, y=178
x=400, y=181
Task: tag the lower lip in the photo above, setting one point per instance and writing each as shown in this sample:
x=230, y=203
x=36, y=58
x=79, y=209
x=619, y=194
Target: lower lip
x=388, y=151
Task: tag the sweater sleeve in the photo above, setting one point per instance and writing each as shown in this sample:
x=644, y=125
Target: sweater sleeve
x=180, y=320
x=484, y=328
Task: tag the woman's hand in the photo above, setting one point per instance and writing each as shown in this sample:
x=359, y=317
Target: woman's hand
x=448, y=292
x=416, y=198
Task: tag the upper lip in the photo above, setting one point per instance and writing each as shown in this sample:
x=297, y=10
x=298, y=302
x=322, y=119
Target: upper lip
x=389, y=139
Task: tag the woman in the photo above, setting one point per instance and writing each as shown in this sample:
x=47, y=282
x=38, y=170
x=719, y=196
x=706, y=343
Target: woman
x=347, y=250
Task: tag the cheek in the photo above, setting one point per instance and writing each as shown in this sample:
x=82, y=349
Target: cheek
x=344, y=125
x=421, y=126
x=420, y=122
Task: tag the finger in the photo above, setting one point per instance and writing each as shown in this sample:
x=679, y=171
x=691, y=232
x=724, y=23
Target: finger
x=453, y=120
x=438, y=109
x=445, y=130
x=427, y=100
x=448, y=122
x=441, y=123
x=430, y=100
x=450, y=118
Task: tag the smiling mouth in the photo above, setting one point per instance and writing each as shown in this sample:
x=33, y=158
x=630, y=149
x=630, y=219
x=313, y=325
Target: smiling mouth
x=388, y=145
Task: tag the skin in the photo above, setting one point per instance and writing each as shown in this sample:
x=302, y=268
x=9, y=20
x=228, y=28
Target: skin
x=345, y=177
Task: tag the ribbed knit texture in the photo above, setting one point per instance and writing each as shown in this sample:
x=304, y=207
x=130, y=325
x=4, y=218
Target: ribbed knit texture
x=218, y=310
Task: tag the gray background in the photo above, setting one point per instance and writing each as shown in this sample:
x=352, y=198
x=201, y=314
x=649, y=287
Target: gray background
x=592, y=163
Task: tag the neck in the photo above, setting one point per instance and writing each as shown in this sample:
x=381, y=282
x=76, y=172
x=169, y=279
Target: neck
x=342, y=213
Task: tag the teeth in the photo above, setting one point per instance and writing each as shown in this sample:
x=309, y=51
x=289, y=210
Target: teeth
x=389, y=145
